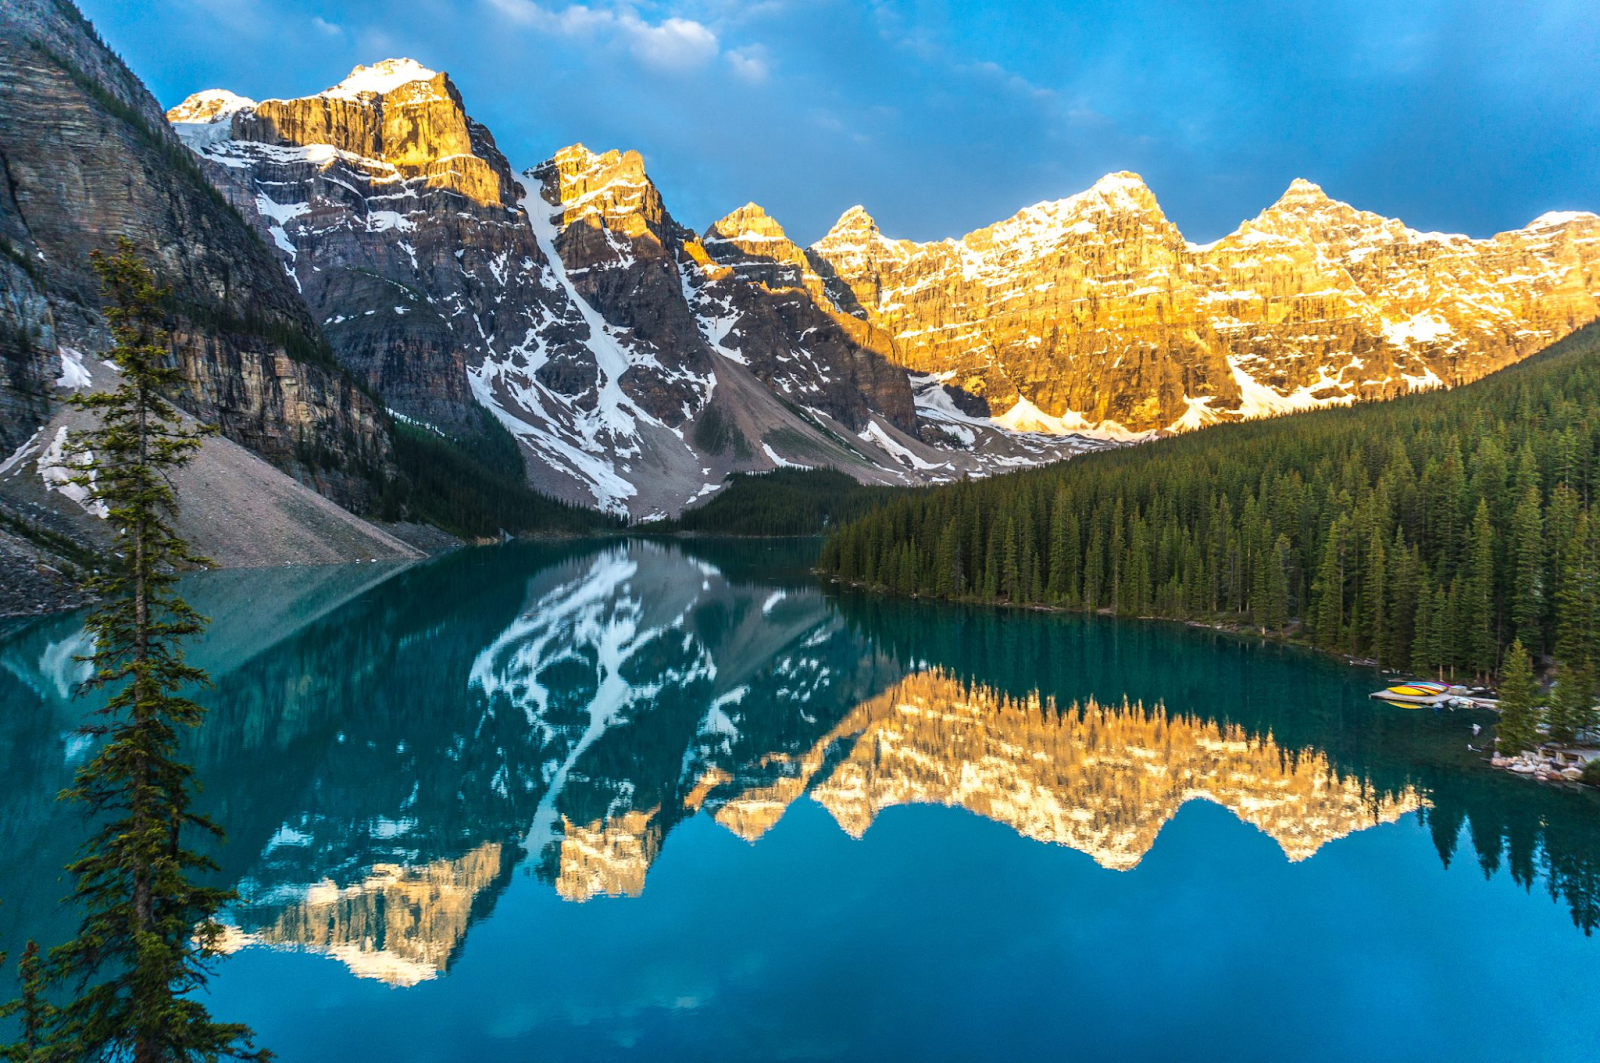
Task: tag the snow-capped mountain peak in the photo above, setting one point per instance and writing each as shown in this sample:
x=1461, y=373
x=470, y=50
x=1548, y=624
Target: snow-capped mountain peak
x=379, y=79
x=749, y=223
x=1552, y=219
x=208, y=106
x=1093, y=310
x=639, y=362
x=1124, y=191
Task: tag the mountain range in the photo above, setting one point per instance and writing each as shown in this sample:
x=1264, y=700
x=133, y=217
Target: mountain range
x=606, y=336
x=365, y=262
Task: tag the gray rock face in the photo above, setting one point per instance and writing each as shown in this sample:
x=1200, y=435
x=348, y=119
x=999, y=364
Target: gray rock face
x=791, y=332
x=621, y=250
x=89, y=159
x=569, y=304
x=398, y=220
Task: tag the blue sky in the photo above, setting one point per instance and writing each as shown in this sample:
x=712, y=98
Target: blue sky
x=941, y=117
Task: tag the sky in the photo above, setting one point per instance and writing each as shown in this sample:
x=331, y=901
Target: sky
x=941, y=117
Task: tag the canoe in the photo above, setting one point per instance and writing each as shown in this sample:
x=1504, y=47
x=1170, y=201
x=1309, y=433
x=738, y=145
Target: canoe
x=1417, y=692
x=1421, y=688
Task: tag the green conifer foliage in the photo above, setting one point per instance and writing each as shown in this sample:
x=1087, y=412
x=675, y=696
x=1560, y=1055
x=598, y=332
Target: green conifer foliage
x=147, y=932
x=1519, y=702
x=1427, y=531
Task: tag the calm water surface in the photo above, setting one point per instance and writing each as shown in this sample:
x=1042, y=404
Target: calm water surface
x=644, y=801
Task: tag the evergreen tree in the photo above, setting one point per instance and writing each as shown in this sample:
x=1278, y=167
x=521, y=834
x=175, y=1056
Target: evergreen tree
x=1447, y=627
x=147, y=931
x=1094, y=570
x=1373, y=598
x=35, y=1015
x=948, y=562
x=1058, y=551
x=1571, y=705
x=1401, y=582
x=1527, y=569
x=1424, y=647
x=1576, y=598
x=1010, y=567
x=1329, y=588
x=1519, y=702
x=1276, y=585
x=1478, y=604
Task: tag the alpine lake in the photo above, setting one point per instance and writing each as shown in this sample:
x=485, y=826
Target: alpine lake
x=644, y=800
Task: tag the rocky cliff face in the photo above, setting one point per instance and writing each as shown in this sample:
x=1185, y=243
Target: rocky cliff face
x=730, y=346
x=636, y=363
x=639, y=363
x=1094, y=312
x=397, y=220
x=89, y=159
x=787, y=329
x=620, y=249
x=558, y=302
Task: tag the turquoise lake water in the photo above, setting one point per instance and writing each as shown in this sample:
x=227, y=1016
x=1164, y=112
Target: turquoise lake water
x=635, y=800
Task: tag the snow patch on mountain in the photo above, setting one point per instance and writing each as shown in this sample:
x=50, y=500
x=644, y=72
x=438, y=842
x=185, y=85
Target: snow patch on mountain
x=74, y=374
x=60, y=467
x=1551, y=219
x=206, y=117
x=379, y=79
x=1024, y=416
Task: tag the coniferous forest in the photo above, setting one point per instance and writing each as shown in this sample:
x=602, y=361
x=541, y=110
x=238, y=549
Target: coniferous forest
x=781, y=502
x=1429, y=533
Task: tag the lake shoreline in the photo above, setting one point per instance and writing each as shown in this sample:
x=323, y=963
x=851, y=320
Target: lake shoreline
x=1545, y=766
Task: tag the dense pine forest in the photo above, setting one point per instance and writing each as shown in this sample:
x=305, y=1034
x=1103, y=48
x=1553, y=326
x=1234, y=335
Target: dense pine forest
x=781, y=502
x=476, y=488
x=1430, y=532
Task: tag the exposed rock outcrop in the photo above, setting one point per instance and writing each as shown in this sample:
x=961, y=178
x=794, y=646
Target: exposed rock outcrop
x=397, y=219
x=1093, y=311
x=89, y=159
x=639, y=363
x=561, y=302
x=789, y=331
x=236, y=510
x=620, y=248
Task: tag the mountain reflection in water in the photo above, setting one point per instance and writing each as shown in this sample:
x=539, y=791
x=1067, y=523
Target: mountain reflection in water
x=1099, y=779
x=387, y=746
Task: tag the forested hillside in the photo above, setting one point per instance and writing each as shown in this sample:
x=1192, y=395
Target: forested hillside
x=1428, y=532
x=781, y=502
x=476, y=487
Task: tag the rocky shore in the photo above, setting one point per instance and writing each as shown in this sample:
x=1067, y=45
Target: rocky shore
x=1549, y=763
x=33, y=582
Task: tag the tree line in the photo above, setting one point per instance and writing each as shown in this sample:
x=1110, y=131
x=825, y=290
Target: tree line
x=1429, y=533
x=780, y=502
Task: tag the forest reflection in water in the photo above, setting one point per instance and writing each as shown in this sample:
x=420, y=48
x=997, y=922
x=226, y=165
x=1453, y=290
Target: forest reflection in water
x=388, y=746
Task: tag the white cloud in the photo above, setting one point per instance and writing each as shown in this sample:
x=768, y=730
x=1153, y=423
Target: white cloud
x=673, y=45
x=330, y=28
x=676, y=44
x=749, y=63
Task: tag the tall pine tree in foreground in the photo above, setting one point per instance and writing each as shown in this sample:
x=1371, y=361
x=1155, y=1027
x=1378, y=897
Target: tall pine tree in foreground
x=148, y=929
